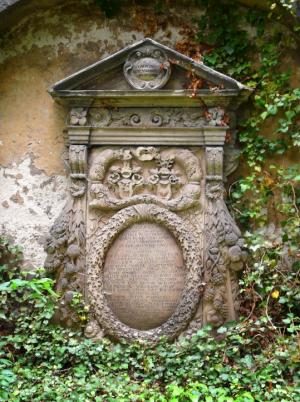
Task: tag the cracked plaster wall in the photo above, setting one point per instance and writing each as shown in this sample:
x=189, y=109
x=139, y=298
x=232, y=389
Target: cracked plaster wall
x=30, y=201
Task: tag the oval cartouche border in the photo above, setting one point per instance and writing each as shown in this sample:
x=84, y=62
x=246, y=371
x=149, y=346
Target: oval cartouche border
x=190, y=296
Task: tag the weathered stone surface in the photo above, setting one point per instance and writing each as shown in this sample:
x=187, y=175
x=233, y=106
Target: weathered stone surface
x=150, y=221
x=144, y=276
x=100, y=244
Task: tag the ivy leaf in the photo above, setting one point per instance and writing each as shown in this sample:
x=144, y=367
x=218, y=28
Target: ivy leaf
x=264, y=115
x=222, y=330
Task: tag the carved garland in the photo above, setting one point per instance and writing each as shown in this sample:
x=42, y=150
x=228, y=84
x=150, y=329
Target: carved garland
x=190, y=296
x=65, y=246
x=225, y=255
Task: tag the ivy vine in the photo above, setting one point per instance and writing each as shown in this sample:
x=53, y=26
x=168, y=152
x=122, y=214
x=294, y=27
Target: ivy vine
x=266, y=201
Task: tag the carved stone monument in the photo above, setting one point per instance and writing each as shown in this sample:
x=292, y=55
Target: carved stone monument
x=146, y=235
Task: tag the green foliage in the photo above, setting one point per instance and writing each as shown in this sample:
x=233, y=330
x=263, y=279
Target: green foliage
x=226, y=43
x=271, y=192
x=256, y=359
x=43, y=362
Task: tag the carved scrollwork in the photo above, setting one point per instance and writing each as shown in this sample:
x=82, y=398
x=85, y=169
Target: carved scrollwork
x=116, y=187
x=144, y=117
x=191, y=254
x=146, y=183
x=157, y=119
x=93, y=330
x=100, y=117
x=163, y=183
x=128, y=117
x=104, y=201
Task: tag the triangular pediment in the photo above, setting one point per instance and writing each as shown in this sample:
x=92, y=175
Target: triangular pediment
x=108, y=73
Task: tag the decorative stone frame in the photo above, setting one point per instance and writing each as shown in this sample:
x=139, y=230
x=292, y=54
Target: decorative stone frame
x=125, y=117
x=192, y=290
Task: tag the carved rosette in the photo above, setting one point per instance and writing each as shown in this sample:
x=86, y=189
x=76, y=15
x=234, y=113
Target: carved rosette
x=65, y=246
x=224, y=254
x=78, y=116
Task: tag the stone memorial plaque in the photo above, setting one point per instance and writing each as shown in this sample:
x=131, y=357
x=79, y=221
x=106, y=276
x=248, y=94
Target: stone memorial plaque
x=144, y=275
x=146, y=235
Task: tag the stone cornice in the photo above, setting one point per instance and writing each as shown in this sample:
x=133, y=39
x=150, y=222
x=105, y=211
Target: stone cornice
x=177, y=98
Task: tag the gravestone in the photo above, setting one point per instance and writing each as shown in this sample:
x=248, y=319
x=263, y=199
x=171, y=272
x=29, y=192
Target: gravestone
x=146, y=235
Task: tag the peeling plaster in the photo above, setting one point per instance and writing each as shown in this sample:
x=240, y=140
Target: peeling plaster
x=29, y=204
x=72, y=38
x=40, y=31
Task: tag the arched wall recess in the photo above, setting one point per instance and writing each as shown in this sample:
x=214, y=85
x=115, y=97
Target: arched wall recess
x=146, y=231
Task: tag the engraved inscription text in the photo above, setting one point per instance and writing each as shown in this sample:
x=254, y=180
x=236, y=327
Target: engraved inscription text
x=144, y=275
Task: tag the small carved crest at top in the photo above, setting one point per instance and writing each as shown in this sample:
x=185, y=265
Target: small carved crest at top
x=147, y=68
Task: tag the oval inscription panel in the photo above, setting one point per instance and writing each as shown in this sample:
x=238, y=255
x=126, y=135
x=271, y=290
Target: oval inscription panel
x=144, y=275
